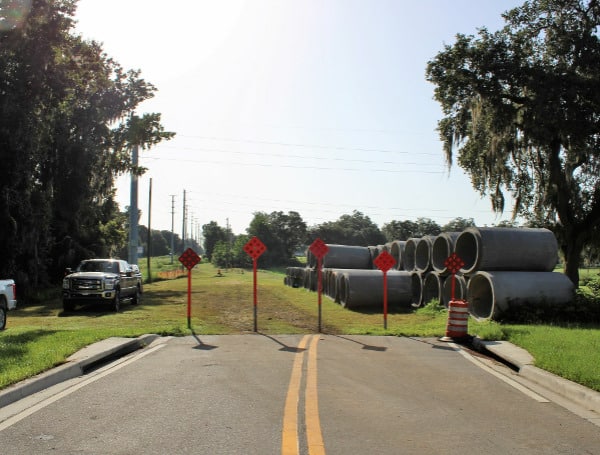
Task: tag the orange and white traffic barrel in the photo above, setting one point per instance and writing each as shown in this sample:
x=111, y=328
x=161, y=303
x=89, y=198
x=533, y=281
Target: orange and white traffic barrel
x=457, y=326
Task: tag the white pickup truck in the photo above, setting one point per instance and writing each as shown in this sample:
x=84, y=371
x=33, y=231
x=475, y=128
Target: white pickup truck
x=8, y=299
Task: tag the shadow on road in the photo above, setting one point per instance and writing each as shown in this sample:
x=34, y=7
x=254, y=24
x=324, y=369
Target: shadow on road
x=284, y=347
x=433, y=345
x=201, y=345
x=368, y=347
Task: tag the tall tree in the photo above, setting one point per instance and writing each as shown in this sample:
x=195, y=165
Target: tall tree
x=522, y=109
x=283, y=234
x=426, y=226
x=458, y=224
x=290, y=229
x=240, y=257
x=212, y=234
x=399, y=230
x=59, y=99
x=355, y=229
x=261, y=227
x=403, y=230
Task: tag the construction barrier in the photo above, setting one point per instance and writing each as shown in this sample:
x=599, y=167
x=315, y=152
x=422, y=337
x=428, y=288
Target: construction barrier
x=457, y=326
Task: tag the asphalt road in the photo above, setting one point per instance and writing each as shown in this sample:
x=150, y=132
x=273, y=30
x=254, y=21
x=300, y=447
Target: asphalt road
x=312, y=394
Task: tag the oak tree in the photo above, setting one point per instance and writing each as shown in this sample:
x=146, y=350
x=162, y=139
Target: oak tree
x=522, y=115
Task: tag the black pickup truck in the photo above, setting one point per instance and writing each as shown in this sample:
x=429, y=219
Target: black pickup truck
x=100, y=280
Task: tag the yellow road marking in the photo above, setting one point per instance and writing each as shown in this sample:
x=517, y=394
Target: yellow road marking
x=289, y=437
x=313, y=422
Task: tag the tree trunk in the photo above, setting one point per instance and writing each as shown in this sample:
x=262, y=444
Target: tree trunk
x=572, y=251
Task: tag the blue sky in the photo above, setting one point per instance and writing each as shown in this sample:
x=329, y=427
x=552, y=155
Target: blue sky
x=316, y=106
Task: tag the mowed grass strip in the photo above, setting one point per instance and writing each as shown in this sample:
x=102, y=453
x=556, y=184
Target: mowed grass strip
x=225, y=304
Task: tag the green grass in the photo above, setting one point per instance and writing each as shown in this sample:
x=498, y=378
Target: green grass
x=570, y=352
x=39, y=337
x=158, y=266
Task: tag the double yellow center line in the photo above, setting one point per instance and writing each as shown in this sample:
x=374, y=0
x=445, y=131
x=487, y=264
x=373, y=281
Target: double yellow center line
x=289, y=441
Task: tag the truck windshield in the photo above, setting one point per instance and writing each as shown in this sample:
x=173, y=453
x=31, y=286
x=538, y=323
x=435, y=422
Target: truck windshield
x=99, y=266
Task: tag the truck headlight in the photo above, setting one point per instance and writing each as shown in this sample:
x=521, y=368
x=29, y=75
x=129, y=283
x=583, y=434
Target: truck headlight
x=65, y=283
x=109, y=283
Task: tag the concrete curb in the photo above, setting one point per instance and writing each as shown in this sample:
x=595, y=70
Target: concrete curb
x=83, y=359
x=514, y=355
x=75, y=366
x=39, y=383
x=524, y=363
x=586, y=398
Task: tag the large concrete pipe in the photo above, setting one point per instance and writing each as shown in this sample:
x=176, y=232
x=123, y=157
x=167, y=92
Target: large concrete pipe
x=460, y=289
x=339, y=275
x=507, y=249
x=397, y=251
x=325, y=274
x=313, y=280
x=311, y=260
x=332, y=285
x=334, y=277
x=295, y=276
x=346, y=257
x=364, y=288
x=489, y=294
x=417, y=289
x=442, y=247
x=374, y=252
x=408, y=260
x=423, y=254
x=310, y=278
x=432, y=287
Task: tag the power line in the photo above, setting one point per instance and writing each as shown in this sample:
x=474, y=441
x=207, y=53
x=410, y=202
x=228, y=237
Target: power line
x=275, y=155
x=291, y=144
x=293, y=166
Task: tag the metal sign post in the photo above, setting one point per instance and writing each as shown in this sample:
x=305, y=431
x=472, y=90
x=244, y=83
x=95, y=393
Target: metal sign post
x=458, y=310
x=453, y=263
x=384, y=262
x=254, y=248
x=319, y=249
x=189, y=259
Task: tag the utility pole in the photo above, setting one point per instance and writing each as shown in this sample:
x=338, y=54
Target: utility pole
x=133, y=210
x=172, y=226
x=228, y=230
x=184, y=223
x=192, y=230
x=149, y=252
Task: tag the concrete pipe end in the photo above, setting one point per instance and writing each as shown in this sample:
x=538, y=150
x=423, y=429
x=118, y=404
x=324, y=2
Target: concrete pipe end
x=408, y=260
x=423, y=254
x=440, y=250
x=460, y=289
x=416, y=286
x=467, y=248
x=480, y=297
x=432, y=288
x=397, y=251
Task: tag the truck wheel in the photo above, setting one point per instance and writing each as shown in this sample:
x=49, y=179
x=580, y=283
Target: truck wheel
x=136, y=297
x=68, y=306
x=2, y=318
x=116, y=303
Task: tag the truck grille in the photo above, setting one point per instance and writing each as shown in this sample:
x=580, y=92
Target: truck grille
x=86, y=284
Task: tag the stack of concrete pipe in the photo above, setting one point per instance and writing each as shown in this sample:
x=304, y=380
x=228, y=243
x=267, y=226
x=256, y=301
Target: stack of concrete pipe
x=350, y=278
x=503, y=267
x=508, y=267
